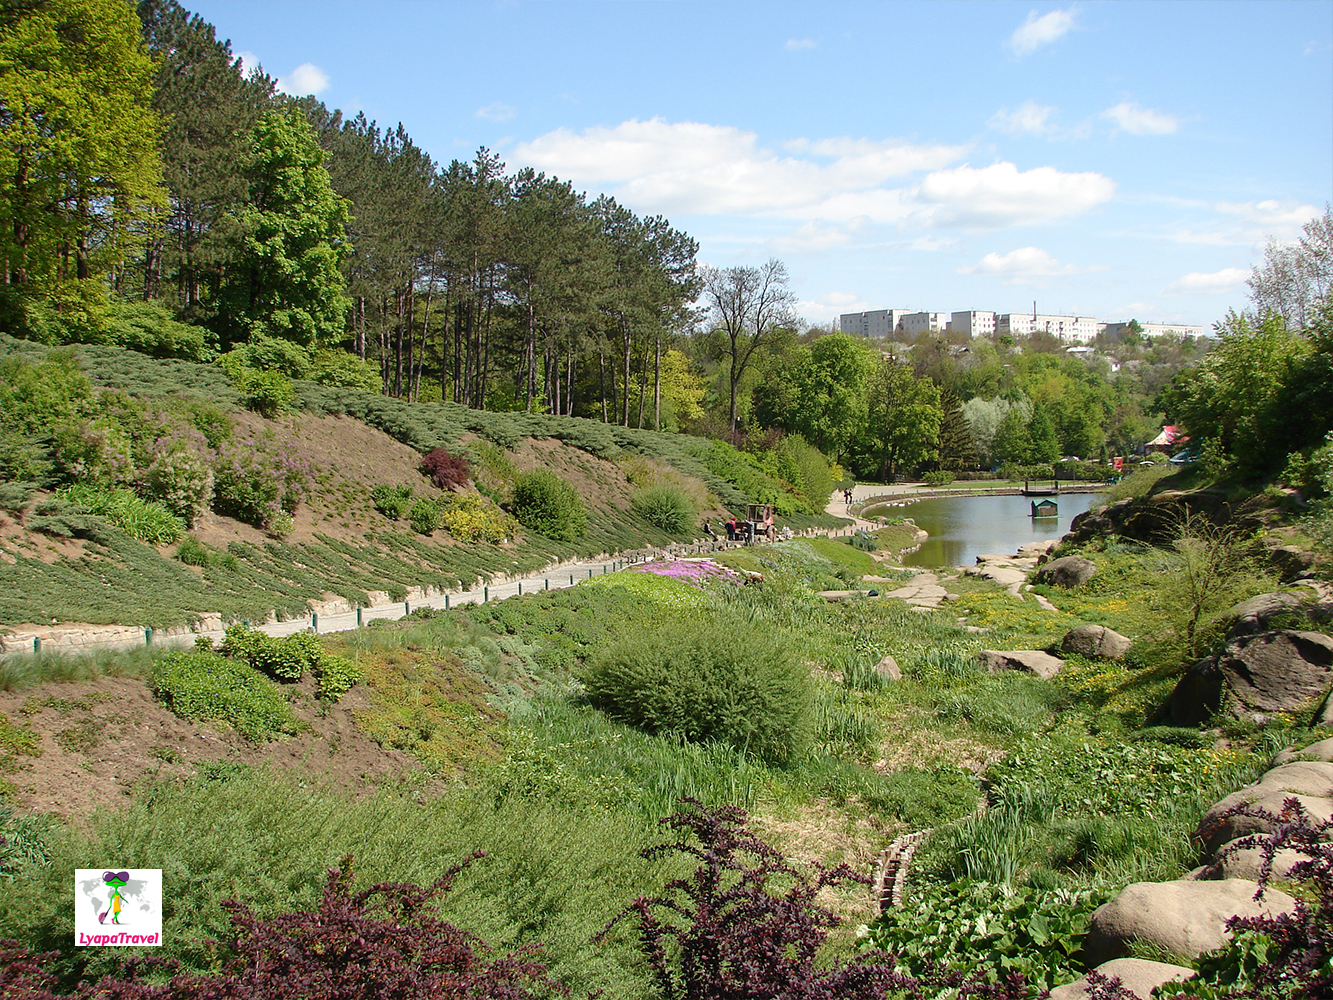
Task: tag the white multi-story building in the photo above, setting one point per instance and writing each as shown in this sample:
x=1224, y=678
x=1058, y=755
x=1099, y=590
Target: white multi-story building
x=876, y=323
x=976, y=323
x=1077, y=329
x=924, y=322
x=1158, y=329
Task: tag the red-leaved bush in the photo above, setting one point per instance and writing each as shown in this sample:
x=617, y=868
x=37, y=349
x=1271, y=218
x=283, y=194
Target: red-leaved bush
x=745, y=926
x=445, y=470
x=383, y=942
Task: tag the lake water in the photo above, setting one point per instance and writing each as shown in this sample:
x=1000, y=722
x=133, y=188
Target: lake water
x=961, y=528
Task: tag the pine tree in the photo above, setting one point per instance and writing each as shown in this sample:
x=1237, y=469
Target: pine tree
x=956, y=449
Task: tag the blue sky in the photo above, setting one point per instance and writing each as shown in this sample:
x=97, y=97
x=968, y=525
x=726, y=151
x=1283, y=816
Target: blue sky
x=1107, y=159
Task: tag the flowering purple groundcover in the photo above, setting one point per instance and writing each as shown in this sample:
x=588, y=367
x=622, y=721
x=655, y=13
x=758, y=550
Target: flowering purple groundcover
x=693, y=571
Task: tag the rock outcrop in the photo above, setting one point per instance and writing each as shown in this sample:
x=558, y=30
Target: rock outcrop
x=1185, y=917
x=1137, y=975
x=1265, y=672
x=1027, y=661
x=1096, y=642
x=1067, y=572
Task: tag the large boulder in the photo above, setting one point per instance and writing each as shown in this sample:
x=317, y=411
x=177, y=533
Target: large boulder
x=1183, y=917
x=1234, y=861
x=1262, y=805
x=1027, y=661
x=1276, y=671
x=887, y=668
x=1323, y=750
x=1263, y=611
x=1137, y=975
x=1067, y=572
x=1096, y=642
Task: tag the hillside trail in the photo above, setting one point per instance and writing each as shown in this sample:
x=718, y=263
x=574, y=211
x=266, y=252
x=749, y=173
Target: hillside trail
x=324, y=618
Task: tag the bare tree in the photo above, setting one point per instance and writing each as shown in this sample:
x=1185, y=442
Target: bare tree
x=1295, y=279
x=748, y=305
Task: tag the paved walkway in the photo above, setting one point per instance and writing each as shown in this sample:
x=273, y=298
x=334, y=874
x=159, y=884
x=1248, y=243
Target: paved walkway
x=87, y=639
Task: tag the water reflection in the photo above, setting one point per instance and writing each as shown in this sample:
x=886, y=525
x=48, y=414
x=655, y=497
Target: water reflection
x=961, y=528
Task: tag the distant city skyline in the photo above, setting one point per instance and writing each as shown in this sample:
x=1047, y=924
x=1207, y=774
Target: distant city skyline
x=1114, y=159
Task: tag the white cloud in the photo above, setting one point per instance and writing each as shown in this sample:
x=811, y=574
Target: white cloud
x=305, y=79
x=1003, y=195
x=1029, y=118
x=696, y=168
x=1021, y=266
x=798, y=44
x=249, y=63
x=1225, y=280
x=496, y=112
x=1131, y=118
x=1249, y=223
x=1038, y=31
x=827, y=308
x=817, y=235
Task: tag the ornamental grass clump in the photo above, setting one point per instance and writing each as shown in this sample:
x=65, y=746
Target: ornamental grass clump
x=665, y=507
x=717, y=680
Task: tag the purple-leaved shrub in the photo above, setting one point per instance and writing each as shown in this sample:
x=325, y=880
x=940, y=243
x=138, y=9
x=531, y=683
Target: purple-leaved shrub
x=384, y=941
x=446, y=471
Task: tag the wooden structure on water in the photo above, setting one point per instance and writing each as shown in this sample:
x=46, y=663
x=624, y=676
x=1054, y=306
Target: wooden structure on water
x=1045, y=508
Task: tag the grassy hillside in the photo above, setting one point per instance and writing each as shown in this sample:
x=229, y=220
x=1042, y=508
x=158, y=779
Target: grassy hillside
x=61, y=559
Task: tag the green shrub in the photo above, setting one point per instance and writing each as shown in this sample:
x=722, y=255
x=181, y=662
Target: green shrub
x=424, y=514
x=253, y=483
x=700, y=681
x=268, y=393
x=939, y=477
x=93, y=452
x=199, y=685
x=391, y=501
x=181, y=479
x=546, y=504
x=665, y=507
x=37, y=397
x=285, y=659
x=288, y=658
x=342, y=368
x=149, y=328
x=145, y=520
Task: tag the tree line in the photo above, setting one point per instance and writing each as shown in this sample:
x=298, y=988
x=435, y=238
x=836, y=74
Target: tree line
x=153, y=194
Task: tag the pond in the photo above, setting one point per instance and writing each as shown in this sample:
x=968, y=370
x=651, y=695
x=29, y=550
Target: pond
x=961, y=528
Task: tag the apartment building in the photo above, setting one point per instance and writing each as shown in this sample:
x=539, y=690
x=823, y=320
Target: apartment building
x=924, y=322
x=878, y=323
x=1075, y=329
x=1157, y=329
x=977, y=323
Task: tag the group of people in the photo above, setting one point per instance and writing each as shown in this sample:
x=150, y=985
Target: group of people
x=847, y=495
x=737, y=531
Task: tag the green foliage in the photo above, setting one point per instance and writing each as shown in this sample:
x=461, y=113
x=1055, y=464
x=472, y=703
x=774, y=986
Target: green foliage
x=284, y=279
x=145, y=520
x=199, y=685
x=255, y=482
x=697, y=680
x=150, y=328
x=268, y=393
x=424, y=515
x=35, y=397
x=665, y=507
x=939, y=477
x=181, y=479
x=546, y=504
x=391, y=501
x=342, y=368
x=78, y=154
x=288, y=659
x=967, y=926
